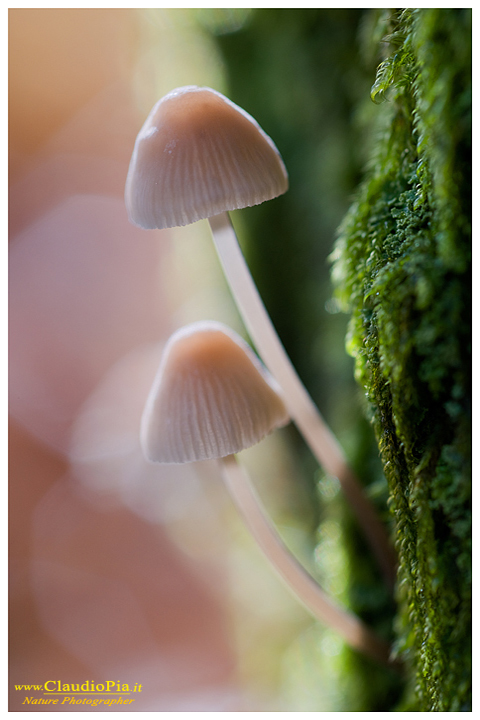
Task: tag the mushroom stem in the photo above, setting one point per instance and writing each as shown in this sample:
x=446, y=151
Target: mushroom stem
x=303, y=411
x=307, y=590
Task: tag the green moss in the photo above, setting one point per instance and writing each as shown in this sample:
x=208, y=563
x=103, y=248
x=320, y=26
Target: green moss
x=402, y=268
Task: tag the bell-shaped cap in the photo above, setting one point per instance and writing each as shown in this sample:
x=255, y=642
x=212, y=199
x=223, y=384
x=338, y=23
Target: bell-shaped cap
x=211, y=398
x=198, y=155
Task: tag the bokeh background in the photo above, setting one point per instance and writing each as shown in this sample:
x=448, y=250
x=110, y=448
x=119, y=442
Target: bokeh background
x=120, y=570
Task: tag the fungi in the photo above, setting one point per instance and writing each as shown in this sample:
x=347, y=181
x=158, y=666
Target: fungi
x=198, y=155
x=212, y=398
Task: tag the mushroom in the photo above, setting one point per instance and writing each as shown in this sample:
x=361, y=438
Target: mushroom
x=212, y=398
x=198, y=155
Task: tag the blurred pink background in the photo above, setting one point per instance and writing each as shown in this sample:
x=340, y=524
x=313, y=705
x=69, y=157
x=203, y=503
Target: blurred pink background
x=98, y=590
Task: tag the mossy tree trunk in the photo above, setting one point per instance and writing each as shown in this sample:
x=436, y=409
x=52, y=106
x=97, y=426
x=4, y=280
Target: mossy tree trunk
x=402, y=269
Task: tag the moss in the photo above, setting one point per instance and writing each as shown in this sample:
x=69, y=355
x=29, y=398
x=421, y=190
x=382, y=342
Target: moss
x=402, y=269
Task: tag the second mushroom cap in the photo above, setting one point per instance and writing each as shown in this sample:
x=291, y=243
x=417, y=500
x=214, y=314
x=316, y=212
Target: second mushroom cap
x=211, y=398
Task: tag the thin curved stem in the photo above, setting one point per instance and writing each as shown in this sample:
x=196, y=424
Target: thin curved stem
x=307, y=590
x=303, y=411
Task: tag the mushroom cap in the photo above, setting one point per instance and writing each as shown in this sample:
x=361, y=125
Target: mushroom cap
x=198, y=155
x=211, y=398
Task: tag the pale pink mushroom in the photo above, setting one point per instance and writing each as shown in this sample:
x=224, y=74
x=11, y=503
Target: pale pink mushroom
x=212, y=398
x=199, y=155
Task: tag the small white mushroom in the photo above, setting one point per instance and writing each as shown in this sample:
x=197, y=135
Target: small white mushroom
x=199, y=155
x=212, y=398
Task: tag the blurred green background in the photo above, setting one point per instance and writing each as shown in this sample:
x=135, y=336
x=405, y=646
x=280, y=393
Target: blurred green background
x=306, y=76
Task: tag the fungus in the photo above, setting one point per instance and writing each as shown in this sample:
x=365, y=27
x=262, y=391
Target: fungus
x=212, y=398
x=198, y=156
